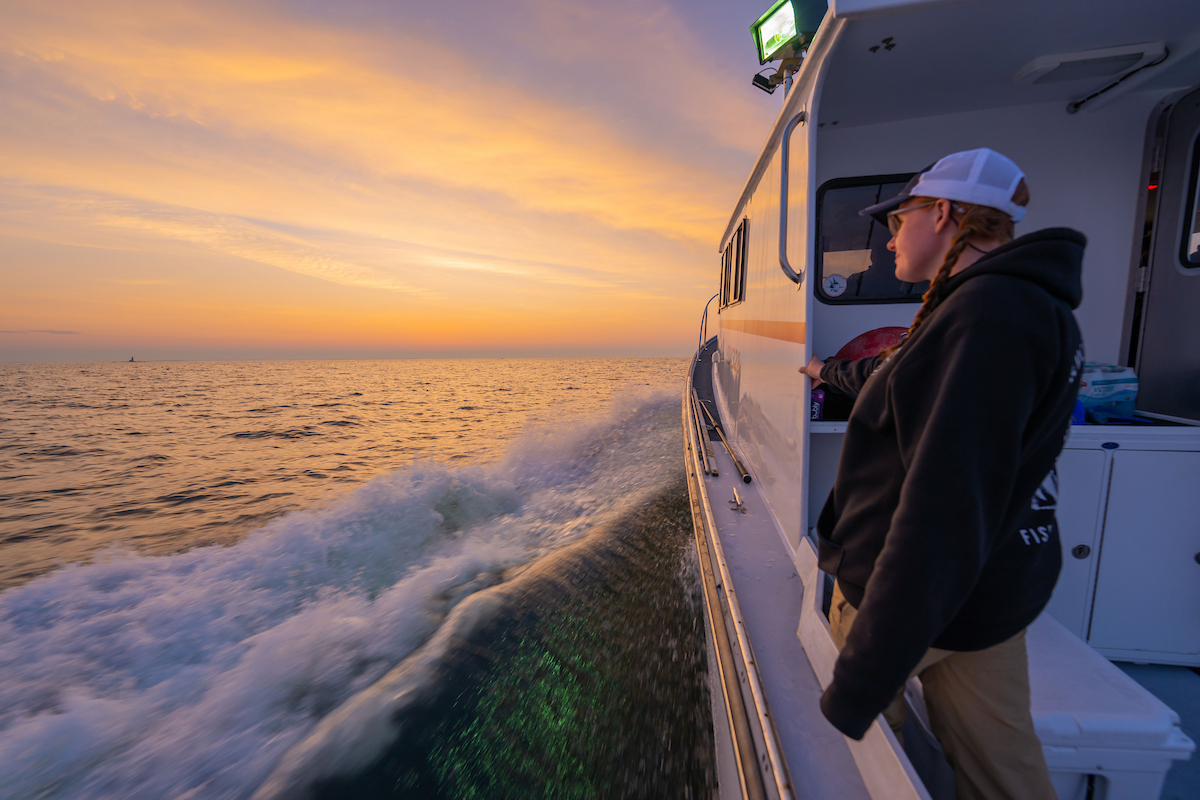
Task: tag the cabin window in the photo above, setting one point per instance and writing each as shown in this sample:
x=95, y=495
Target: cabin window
x=733, y=266
x=724, y=278
x=1190, y=249
x=853, y=262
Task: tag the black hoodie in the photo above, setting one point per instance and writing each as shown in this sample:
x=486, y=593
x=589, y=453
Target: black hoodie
x=940, y=527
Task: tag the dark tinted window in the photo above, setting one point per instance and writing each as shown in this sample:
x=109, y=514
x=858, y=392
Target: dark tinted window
x=853, y=262
x=733, y=266
x=1190, y=255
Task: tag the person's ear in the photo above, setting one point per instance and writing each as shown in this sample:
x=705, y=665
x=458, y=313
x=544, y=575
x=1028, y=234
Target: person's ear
x=942, y=216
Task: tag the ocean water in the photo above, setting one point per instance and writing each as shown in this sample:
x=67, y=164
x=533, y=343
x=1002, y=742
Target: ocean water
x=348, y=579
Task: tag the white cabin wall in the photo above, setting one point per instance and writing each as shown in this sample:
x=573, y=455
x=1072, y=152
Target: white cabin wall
x=766, y=402
x=1084, y=172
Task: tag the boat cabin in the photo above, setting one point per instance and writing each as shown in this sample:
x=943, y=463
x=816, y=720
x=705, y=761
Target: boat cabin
x=1099, y=103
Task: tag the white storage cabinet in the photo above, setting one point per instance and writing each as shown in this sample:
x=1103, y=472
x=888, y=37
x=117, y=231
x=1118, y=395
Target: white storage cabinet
x=1129, y=517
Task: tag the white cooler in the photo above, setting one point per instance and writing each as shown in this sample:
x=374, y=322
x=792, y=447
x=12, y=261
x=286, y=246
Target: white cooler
x=1093, y=720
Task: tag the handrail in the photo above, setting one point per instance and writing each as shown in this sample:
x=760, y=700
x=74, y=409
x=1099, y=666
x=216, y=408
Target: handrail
x=741, y=738
x=771, y=763
x=704, y=323
x=784, y=149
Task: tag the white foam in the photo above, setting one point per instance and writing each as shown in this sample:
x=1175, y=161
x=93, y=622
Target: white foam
x=357, y=732
x=191, y=674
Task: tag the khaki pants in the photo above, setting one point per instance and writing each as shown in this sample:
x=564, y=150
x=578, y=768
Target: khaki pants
x=978, y=705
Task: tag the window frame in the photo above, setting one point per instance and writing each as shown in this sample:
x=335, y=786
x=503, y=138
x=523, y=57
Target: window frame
x=723, y=280
x=734, y=266
x=1191, y=209
x=818, y=250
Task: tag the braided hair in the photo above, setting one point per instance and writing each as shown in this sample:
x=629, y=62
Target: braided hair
x=983, y=223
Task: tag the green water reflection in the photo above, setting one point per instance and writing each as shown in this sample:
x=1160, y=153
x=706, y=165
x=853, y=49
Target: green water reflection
x=591, y=683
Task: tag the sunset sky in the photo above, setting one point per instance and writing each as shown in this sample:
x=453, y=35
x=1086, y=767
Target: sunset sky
x=201, y=179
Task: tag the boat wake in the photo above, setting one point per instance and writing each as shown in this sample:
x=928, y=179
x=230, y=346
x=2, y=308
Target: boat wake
x=295, y=658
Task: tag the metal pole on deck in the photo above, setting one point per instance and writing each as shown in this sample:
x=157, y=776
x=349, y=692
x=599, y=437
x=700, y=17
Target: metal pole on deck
x=736, y=461
x=702, y=437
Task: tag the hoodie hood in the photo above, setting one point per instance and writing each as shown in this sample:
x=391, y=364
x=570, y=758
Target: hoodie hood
x=1051, y=258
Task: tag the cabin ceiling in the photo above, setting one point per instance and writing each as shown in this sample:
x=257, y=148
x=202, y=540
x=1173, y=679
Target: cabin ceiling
x=965, y=55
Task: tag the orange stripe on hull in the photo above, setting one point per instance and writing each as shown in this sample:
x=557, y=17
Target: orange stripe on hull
x=773, y=329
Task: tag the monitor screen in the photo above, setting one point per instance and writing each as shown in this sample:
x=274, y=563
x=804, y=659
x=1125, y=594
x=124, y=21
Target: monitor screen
x=775, y=29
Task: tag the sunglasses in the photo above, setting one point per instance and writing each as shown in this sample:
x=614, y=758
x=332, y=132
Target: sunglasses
x=893, y=217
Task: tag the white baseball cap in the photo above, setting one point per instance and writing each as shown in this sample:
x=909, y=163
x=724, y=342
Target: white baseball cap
x=983, y=177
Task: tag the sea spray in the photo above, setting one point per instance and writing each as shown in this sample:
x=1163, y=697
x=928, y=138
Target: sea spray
x=590, y=681
x=358, y=732
x=192, y=674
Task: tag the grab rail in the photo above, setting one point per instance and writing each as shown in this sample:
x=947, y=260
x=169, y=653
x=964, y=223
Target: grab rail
x=784, y=149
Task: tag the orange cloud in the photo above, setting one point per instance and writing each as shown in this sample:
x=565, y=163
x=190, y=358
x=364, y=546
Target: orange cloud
x=180, y=135
x=315, y=91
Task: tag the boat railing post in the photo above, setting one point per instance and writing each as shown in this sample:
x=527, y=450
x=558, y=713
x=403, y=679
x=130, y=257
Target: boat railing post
x=704, y=325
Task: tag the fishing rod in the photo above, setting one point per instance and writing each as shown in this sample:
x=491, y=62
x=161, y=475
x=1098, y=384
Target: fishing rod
x=736, y=461
x=701, y=428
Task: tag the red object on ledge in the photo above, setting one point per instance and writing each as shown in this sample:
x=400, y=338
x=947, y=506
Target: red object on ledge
x=870, y=343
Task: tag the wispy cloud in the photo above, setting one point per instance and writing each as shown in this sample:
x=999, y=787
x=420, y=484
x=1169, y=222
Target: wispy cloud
x=82, y=212
x=233, y=236
x=340, y=97
x=55, y=333
x=561, y=168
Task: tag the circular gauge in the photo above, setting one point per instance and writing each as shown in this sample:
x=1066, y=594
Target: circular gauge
x=834, y=285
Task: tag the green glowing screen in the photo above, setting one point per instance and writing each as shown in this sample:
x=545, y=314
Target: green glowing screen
x=775, y=29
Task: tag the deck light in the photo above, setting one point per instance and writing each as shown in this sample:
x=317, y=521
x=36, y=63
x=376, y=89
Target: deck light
x=775, y=30
x=782, y=34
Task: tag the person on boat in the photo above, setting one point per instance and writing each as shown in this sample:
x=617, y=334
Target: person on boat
x=940, y=527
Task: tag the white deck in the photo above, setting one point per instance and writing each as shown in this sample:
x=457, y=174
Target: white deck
x=1179, y=688
x=821, y=762
x=769, y=591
